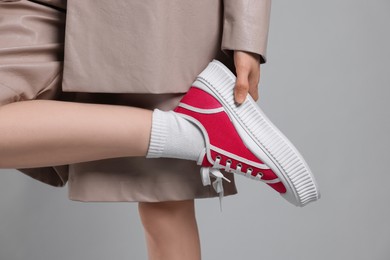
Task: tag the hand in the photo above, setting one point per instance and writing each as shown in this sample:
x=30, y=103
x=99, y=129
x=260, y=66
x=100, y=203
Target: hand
x=248, y=75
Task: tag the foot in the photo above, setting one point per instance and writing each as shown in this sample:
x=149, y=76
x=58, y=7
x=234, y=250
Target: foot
x=242, y=140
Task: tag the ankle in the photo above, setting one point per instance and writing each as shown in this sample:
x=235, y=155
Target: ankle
x=172, y=136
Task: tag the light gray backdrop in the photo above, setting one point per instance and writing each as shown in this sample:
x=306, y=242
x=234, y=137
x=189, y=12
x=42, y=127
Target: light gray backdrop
x=326, y=85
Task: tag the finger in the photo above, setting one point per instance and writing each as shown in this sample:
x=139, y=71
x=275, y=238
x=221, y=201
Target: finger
x=254, y=77
x=242, y=85
x=254, y=92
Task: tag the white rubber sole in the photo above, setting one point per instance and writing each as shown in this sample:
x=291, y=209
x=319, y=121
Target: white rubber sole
x=261, y=136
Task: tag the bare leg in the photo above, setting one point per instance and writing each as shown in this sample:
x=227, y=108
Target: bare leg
x=39, y=133
x=171, y=230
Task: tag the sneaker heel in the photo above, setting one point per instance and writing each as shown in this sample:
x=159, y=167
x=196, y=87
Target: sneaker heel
x=204, y=171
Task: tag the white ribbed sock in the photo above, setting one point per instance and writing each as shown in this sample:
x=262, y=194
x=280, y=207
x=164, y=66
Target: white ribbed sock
x=174, y=137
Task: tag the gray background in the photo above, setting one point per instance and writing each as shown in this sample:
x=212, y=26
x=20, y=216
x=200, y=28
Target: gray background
x=326, y=87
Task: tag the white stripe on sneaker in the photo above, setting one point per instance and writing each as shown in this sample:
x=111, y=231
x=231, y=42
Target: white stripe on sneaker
x=201, y=110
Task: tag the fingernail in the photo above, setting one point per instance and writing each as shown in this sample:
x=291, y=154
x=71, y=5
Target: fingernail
x=239, y=100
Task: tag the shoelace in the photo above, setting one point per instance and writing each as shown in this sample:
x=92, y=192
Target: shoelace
x=217, y=184
x=213, y=171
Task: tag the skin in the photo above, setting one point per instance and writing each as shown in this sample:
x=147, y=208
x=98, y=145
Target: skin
x=87, y=132
x=248, y=75
x=171, y=230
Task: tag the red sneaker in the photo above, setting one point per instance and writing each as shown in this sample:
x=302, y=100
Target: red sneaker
x=241, y=139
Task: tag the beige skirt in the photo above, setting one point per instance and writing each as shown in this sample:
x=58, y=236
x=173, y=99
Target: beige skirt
x=31, y=65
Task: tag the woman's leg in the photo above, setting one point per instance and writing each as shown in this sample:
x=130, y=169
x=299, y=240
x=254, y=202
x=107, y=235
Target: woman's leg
x=38, y=133
x=171, y=230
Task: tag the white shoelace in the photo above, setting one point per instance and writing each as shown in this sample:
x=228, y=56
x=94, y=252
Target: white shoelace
x=213, y=171
x=206, y=172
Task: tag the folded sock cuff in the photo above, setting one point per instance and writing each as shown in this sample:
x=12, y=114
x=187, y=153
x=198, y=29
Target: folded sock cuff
x=159, y=134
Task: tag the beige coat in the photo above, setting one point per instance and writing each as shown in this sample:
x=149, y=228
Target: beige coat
x=165, y=51
x=156, y=46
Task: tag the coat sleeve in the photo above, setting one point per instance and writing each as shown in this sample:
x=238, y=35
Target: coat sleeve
x=246, y=26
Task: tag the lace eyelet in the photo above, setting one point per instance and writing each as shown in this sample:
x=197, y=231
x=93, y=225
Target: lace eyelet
x=239, y=167
x=229, y=161
x=260, y=174
x=218, y=157
x=250, y=170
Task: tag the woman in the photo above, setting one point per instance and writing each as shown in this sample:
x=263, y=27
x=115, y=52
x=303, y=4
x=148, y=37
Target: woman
x=31, y=67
